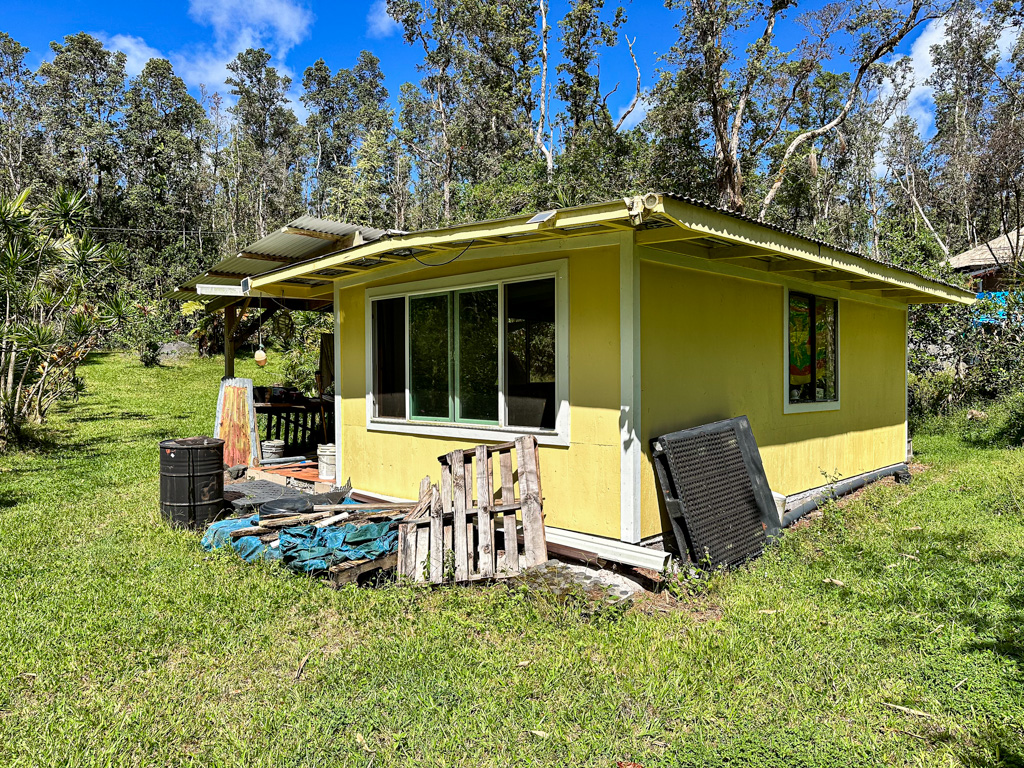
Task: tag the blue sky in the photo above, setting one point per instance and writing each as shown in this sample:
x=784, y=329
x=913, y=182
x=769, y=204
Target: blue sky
x=201, y=36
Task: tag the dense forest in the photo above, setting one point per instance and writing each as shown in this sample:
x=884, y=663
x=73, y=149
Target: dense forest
x=511, y=115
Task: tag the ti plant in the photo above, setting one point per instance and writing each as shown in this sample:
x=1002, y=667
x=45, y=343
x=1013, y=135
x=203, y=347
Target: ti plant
x=49, y=265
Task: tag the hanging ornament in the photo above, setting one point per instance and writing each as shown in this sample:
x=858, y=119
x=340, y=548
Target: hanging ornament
x=261, y=354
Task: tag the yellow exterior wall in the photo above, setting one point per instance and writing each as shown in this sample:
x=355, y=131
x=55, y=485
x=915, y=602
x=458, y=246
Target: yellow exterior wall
x=580, y=482
x=712, y=347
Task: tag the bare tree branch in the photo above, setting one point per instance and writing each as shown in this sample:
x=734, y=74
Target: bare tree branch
x=885, y=47
x=639, y=86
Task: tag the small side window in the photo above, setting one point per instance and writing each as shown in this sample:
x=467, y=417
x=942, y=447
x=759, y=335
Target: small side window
x=813, y=349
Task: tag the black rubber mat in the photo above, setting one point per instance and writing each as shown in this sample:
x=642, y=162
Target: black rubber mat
x=716, y=493
x=252, y=493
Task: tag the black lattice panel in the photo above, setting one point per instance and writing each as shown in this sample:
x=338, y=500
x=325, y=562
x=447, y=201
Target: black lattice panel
x=715, y=492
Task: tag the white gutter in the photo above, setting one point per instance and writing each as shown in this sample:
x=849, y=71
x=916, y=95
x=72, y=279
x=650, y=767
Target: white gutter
x=610, y=549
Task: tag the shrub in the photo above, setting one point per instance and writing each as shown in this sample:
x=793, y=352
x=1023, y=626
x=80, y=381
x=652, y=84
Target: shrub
x=999, y=425
x=49, y=266
x=959, y=354
x=930, y=394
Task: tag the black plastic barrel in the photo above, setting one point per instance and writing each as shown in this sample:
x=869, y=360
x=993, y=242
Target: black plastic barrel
x=191, y=481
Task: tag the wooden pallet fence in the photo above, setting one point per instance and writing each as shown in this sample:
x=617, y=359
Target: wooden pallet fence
x=452, y=533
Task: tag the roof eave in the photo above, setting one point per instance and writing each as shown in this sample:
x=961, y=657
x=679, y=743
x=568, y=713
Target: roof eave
x=693, y=220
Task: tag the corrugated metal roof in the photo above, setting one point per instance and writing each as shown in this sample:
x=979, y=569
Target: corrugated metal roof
x=282, y=247
x=680, y=198
x=808, y=238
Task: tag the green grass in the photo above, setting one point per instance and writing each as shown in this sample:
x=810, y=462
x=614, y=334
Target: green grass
x=122, y=643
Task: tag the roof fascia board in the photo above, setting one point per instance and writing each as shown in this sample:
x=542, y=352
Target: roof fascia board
x=721, y=225
x=532, y=248
x=592, y=215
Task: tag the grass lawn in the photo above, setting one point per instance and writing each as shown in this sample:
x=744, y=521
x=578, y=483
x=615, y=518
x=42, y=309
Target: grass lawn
x=123, y=643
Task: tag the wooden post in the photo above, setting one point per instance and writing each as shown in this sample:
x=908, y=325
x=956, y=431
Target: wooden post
x=230, y=320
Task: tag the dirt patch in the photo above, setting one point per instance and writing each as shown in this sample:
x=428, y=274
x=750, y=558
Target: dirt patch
x=661, y=603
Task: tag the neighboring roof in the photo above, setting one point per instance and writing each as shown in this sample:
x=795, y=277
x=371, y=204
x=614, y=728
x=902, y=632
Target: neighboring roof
x=982, y=255
x=684, y=230
x=300, y=240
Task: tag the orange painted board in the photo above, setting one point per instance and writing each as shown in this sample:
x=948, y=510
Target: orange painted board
x=236, y=423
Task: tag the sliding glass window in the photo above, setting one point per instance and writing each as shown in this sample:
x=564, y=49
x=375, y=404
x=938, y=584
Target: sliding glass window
x=483, y=355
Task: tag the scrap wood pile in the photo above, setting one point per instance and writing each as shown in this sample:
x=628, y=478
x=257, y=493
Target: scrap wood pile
x=446, y=526
x=342, y=540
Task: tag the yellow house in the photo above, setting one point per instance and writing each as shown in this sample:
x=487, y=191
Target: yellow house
x=599, y=327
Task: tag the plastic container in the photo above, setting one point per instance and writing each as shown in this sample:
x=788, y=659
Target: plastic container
x=325, y=456
x=272, y=449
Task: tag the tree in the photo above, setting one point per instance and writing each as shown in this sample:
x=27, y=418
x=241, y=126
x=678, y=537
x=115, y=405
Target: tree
x=350, y=133
x=1003, y=158
x=473, y=110
x=676, y=125
x=876, y=29
x=584, y=33
x=751, y=95
x=19, y=135
x=80, y=95
x=167, y=186
x=964, y=84
x=265, y=151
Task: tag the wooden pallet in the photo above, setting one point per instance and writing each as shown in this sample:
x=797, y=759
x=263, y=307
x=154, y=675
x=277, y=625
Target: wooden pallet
x=349, y=572
x=449, y=535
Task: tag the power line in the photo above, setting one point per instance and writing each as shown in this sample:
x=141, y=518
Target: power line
x=154, y=231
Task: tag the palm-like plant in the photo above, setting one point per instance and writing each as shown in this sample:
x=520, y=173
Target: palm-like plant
x=48, y=262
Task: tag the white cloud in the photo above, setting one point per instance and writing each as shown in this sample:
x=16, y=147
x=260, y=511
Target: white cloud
x=203, y=67
x=921, y=100
x=137, y=52
x=281, y=24
x=277, y=25
x=378, y=24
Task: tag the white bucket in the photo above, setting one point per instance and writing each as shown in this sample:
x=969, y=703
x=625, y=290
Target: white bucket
x=325, y=456
x=272, y=449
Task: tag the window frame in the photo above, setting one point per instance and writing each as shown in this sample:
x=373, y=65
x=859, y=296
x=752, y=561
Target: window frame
x=470, y=430
x=826, y=405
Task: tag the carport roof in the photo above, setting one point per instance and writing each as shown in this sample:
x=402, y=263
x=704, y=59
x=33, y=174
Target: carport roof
x=298, y=241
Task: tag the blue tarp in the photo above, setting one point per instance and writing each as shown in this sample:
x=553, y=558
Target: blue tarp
x=309, y=549
x=306, y=548
x=999, y=307
x=248, y=547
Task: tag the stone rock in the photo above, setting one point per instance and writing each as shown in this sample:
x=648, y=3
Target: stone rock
x=237, y=472
x=599, y=585
x=175, y=349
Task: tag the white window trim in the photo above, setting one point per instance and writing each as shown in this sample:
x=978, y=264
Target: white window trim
x=833, y=405
x=559, y=436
